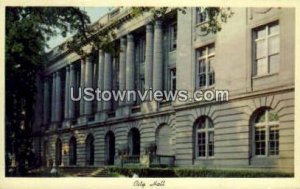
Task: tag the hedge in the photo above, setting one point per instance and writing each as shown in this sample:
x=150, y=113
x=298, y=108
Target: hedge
x=201, y=172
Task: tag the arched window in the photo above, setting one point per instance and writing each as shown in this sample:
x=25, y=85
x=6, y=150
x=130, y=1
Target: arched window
x=72, y=151
x=89, y=150
x=134, y=141
x=204, y=137
x=265, y=133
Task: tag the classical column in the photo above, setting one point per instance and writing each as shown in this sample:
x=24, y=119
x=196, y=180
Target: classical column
x=158, y=57
x=149, y=57
x=122, y=66
x=53, y=92
x=46, y=102
x=88, y=83
x=82, y=82
x=73, y=85
x=67, y=93
x=58, y=104
x=107, y=79
x=130, y=64
x=100, y=83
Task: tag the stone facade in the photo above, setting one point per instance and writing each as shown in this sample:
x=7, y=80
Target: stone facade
x=148, y=52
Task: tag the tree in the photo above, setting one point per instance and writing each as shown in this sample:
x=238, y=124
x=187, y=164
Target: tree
x=28, y=29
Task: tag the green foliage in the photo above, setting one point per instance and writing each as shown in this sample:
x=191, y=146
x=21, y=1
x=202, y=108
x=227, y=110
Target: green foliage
x=195, y=172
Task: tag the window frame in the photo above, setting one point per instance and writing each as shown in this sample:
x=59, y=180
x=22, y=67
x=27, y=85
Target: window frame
x=206, y=130
x=173, y=40
x=266, y=125
x=206, y=57
x=255, y=39
x=200, y=13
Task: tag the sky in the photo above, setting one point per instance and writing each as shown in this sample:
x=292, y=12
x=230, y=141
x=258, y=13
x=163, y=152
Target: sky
x=93, y=12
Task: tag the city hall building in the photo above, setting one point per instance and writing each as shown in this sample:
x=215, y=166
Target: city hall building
x=253, y=57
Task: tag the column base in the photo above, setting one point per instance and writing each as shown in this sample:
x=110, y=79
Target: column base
x=148, y=107
x=123, y=111
x=101, y=116
x=82, y=120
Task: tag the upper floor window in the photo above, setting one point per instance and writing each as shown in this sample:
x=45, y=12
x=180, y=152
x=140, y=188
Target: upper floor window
x=173, y=80
x=266, y=133
x=201, y=15
x=266, y=43
x=205, y=63
x=204, y=137
x=173, y=37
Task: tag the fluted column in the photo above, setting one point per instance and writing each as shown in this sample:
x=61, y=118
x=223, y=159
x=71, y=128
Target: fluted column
x=130, y=64
x=58, y=104
x=149, y=57
x=100, y=82
x=73, y=85
x=88, y=83
x=107, y=79
x=67, y=93
x=53, y=96
x=46, y=102
x=82, y=83
x=158, y=57
x=122, y=66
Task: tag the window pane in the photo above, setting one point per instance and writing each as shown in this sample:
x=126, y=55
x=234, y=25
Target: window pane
x=273, y=116
x=274, y=29
x=201, y=144
x=274, y=140
x=274, y=63
x=261, y=33
x=211, y=143
x=260, y=141
x=202, y=66
x=261, y=117
x=211, y=49
x=274, y=46
x=262, y=66
x=261, y=49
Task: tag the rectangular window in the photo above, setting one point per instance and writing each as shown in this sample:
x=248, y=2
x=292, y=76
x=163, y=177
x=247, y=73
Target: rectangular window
x=201, y=15
x=173, y=79
x=142, y=50
x=205, y=63
x=173, y=37
x=266, y=49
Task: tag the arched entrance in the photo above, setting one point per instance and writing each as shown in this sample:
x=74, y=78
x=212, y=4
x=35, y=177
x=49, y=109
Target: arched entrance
x=72, y=151
x=110, y=147
x=134, y=141
x=90, y=150
x=58, y=152
x=164, y=140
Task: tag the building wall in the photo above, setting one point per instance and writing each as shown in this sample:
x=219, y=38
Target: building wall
x=232, y=119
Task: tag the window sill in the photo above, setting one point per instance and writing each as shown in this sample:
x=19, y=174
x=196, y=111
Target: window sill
x=264, y=75
x=211, y=87
x=266, y=157
x=201, y=23
x=205, y=158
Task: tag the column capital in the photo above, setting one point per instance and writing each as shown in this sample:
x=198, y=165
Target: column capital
x=158, y=24
x=149, y=27
x=123, y=41
x=72, y=66
x=129, y=38
x=89, y=58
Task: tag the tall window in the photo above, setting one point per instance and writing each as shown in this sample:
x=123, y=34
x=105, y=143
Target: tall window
x=201, y=15
x=205, y=64
x=266, y=49
x=204, y=137
x=173, y=37
x=266, y=133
